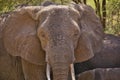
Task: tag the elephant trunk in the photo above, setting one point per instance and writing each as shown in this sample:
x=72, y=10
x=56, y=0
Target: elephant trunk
x=60, y=71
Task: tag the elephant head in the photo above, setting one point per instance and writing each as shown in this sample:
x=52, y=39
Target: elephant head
x=57, y=34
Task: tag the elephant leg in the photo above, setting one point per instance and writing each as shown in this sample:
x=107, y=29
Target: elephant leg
x=33, y=72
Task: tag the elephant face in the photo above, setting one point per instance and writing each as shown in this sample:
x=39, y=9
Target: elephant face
x=59, y=32
x=72, y=32
x=56, y=34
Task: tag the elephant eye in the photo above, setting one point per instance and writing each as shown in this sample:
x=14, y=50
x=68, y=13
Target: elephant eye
x=43, y=40
x=41, y=32
x=76, y=33
x=43, y=35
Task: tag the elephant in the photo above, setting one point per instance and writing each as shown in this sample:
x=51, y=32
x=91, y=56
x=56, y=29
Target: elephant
x=49, y=39
x=10, y=66
x=108, y=57
x=100, y=74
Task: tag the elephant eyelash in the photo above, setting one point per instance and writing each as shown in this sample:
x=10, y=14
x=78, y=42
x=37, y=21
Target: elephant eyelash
x=76, y=33
x=43, y=35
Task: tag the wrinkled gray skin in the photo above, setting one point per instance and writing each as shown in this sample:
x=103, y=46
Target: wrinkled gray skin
x=100, y=74
x=10, y=66
x=58, y=35
x=109, y=57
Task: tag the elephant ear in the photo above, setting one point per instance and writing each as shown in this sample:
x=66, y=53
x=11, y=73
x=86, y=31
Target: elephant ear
x=91, y=37
x=20, y=37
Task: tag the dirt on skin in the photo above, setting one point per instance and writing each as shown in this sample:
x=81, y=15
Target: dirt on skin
x=10, y=67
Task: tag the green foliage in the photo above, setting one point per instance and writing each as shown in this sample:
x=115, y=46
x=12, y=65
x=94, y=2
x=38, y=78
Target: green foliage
x=113, y=17
x=61, y=1
x=8, y=5
x=91, y=2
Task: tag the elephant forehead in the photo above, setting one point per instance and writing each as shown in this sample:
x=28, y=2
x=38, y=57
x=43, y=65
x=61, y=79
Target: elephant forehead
x=58, y=28
x=58, y=10
x=54, y=7
x=59, y=17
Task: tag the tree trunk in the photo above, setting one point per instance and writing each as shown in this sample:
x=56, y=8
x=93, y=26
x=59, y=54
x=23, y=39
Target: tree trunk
x=62, y=2
x=98, y=8
x=104, y=13
x=85, y=1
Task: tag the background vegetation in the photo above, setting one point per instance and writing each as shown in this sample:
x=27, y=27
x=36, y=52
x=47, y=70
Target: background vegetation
x=107, y=10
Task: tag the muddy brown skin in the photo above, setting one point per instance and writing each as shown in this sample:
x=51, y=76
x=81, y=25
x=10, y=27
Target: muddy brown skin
x=58, y=35
x=10, y=67
x=109, y=57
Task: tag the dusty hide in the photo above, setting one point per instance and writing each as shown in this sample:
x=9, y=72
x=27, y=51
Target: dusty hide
x=100, y=74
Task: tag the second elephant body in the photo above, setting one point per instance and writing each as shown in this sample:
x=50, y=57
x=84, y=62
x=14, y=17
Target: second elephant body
x=109, y=57
x=100, y=74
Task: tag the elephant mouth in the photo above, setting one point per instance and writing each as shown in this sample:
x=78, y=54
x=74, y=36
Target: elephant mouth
x=48, y=70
